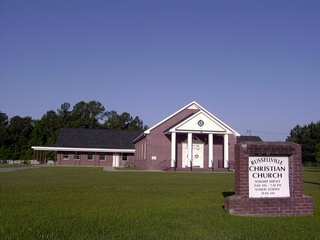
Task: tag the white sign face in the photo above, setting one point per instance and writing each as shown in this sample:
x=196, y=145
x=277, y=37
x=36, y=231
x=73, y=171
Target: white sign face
x=268, y=177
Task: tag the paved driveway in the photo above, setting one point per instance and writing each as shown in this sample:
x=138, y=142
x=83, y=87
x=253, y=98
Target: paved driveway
x=2, y=170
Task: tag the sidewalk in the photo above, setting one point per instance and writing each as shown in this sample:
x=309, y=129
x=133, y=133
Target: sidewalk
x=112, y=169
x=2, y=170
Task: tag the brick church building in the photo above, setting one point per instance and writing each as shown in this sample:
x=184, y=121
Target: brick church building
x=192, y=138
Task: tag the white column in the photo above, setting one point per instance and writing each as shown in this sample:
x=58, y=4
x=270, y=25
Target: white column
x=173, y=149
x=225, y=150
x=189, y=149
x=210, y=142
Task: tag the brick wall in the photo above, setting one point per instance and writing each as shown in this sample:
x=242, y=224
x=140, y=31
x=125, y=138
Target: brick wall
x=241, y=204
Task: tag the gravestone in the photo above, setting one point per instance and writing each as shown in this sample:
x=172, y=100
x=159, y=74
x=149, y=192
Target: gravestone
x=268, y=181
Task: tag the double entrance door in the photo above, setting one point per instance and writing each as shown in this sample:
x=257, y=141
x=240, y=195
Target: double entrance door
x=197, y=152
x=115, y=160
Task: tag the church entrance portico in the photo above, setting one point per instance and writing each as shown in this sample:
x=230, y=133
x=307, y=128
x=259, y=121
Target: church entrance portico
x=197, y=153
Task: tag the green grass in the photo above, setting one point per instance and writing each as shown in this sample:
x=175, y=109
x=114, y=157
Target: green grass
x=88, y=203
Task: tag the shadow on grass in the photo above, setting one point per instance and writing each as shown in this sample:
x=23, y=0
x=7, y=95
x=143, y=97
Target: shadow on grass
x=228, y=194
x=312, y=182
x=312, y=170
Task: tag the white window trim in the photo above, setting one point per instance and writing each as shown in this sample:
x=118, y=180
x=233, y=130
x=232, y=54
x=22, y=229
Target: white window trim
x=76, y=154
x=92, y=154
x=65, y=154
x=102, y=154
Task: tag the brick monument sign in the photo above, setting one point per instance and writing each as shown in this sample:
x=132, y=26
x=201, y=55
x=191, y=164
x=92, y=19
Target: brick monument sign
x=268, y=181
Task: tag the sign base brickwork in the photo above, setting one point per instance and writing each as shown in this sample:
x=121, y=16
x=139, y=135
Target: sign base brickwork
x=268, y=181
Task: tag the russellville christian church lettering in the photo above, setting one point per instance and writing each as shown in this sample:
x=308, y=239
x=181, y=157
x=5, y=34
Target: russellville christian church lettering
x=268, y=177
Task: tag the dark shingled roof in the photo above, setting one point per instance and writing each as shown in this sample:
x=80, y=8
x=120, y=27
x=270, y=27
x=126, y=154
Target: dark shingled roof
x=97, y=138
x=249, y=139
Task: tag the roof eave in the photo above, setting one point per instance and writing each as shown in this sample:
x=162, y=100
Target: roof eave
x=164, y=120
x=139, y=138
x=74, y=149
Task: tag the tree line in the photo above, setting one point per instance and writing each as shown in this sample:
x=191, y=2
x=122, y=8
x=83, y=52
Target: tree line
x=308, y=136
x=18, y=134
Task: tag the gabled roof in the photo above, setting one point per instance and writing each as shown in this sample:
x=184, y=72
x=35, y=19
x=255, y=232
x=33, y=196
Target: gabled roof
x=195, y=105
x=96, y=138
x=77, y=139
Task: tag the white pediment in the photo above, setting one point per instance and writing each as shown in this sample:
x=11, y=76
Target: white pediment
x=193, y=106
x=211, y=124
x=200, y=122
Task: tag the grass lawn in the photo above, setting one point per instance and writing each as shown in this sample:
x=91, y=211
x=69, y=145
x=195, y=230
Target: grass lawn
x=88, y=203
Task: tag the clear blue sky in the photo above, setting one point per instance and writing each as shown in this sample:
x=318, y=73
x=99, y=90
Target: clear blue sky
x=253, y=64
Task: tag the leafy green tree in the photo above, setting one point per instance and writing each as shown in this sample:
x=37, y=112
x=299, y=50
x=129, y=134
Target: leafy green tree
x=49, y=124
x=64, y=115
x=45, y=128
x=123, y=121
x=37, y=136
x=4, y=122
x=308, y=136
x=318, y=154
x=3, y=119
x=19, y=134
x=135, y=124
x=112, y=121
x=87, y=115
x=19, y=131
